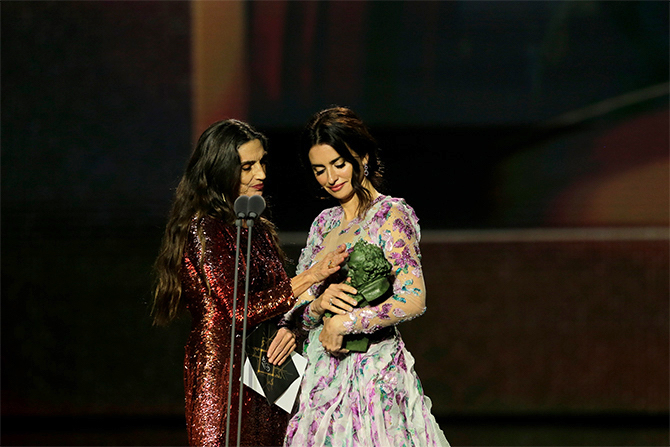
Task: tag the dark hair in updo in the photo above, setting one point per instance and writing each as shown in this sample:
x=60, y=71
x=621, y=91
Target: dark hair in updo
x=341, y=129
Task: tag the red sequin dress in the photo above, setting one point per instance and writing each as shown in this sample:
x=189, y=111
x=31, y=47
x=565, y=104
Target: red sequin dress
x=206, y=364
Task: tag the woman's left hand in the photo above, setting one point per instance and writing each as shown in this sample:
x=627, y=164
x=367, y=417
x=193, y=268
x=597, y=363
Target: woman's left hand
x=329, y=264
x=281, y=347
x=331, y=336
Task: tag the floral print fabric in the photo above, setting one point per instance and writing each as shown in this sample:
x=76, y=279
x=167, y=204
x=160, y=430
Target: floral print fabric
x=374, y=398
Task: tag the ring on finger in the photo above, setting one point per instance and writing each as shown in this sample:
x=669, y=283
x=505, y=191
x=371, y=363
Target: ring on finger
x=331, y=301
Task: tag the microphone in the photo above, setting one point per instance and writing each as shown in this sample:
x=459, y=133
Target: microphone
x=240, y=207
x=255, y=207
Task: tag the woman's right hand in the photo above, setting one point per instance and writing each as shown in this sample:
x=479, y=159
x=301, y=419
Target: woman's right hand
x=335, y=299
x=282, y=345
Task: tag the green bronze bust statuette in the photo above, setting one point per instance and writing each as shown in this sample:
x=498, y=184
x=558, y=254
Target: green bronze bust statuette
x=368, y=272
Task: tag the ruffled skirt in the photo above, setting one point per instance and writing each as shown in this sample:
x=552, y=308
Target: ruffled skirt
x=366, y=399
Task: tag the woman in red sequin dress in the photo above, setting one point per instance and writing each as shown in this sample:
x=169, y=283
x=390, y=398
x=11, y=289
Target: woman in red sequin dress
x=195, y=270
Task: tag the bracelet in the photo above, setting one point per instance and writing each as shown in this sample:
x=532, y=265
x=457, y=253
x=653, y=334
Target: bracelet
x=308, y=319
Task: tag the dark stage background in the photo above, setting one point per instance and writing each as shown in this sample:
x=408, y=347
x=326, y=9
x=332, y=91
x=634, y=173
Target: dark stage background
x=530, y=137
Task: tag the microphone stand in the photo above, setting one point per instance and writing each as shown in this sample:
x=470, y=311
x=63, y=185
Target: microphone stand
x=255, y=207
x=240, y=207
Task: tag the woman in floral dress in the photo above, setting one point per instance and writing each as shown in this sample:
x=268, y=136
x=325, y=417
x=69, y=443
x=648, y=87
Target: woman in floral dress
x=373, y=398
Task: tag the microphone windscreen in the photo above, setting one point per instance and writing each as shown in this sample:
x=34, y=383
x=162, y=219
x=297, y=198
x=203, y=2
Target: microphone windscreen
x=255, y=206
x=241, y=205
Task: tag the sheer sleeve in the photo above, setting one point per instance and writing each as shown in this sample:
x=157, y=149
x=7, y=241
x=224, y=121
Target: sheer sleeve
x=312, y=247
x=395, y=228
x=299, y=316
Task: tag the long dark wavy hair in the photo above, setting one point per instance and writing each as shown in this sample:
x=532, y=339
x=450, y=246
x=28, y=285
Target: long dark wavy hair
x=344, y=131
x=209, y=186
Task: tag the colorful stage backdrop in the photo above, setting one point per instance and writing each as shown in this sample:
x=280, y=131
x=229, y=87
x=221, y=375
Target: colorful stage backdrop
x=531, y=138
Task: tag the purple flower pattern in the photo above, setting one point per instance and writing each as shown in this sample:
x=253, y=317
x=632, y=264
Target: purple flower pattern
x=363, y=400
x=393, y=225
x=374, y=398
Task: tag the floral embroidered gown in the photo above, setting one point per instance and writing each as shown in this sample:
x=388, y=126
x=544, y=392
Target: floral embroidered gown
x=374, y=398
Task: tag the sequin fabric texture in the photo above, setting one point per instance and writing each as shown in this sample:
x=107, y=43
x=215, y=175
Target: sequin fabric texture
x=207, y=356
x=371, y=399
